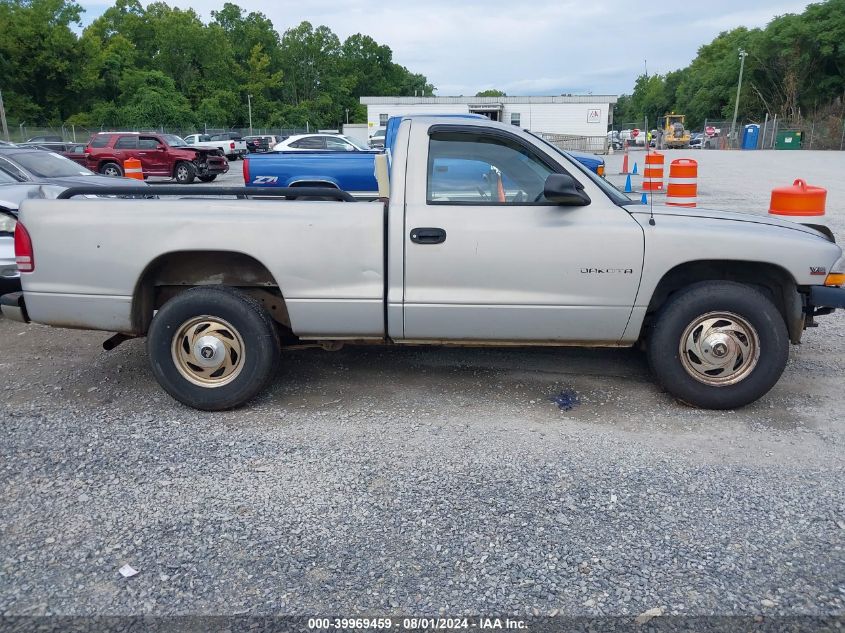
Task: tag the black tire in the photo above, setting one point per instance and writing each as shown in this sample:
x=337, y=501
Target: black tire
x=184, y=173
x=111, y=169
x=254, y=332
x=209, y=178
x=683, y=375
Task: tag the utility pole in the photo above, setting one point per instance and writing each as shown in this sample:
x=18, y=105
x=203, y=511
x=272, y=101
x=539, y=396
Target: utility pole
x=742, y=56
x=347, y=116
x=3, y=118
x=249, y=105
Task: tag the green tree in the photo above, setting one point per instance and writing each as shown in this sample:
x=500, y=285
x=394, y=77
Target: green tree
x=39, y=58
x=491, y=93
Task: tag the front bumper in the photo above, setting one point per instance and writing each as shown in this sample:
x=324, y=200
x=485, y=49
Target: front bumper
x=13, y=307
x=213, y=166
x=821, y=297
x=822, y=300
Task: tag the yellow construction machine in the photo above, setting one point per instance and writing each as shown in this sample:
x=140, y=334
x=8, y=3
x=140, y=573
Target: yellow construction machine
x=675, y=135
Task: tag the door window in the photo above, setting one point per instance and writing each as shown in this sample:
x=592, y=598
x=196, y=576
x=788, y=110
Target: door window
x=477, y=168
x=312, y=142
x=147, y=143
x=338, y=144
x=126, y=142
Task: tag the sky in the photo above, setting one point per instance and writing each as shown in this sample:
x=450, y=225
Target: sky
x=533, y=47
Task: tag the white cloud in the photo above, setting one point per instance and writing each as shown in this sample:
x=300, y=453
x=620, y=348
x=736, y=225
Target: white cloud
x=533, y=47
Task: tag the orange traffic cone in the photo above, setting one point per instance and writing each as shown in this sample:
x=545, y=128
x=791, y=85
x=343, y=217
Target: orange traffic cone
x=683, y=188
x=132, y=169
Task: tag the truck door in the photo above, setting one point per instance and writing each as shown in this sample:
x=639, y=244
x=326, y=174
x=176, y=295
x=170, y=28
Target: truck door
x=488, y=258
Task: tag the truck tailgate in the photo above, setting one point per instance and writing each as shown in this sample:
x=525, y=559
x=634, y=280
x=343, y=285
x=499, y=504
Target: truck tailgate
x=326, y=257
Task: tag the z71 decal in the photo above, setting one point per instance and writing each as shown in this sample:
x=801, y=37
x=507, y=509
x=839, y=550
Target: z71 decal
x=818, y=270
x=265, y=180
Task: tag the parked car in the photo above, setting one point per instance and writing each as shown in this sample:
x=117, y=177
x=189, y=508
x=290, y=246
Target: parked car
x=12, y=193
x=561, y=259
x=160, y=155
x=264, y=142
x=320, y=142
x=45, y=139
x=697, y=140
x=33, y=165
x=10, y=277
x=377, y=139
x=230, y=148
x=73, y=151
x=234, y=146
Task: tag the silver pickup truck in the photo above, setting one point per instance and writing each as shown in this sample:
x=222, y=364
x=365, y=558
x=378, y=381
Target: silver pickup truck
x=489, y=236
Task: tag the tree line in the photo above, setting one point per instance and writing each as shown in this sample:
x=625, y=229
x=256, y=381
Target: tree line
x=160, y=65
x=795, y=69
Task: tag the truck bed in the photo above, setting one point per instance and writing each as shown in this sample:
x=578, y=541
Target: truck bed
x=327, y=257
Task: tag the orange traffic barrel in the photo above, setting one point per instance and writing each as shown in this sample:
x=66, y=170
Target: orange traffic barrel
x=132, y=169
x=683, y=188
x=653, y=172
x=800, y=199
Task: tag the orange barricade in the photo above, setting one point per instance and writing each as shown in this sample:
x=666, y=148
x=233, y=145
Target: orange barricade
x=653, y=172
x=683, y=188
x=132, y=169
x=800, y=199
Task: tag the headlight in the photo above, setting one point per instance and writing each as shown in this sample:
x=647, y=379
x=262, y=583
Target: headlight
x=7, y=223
x=836, y=277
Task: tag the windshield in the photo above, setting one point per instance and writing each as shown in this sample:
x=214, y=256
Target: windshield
x=612, y=192
x=174, y=141
x=50, y=165
x=358, y=145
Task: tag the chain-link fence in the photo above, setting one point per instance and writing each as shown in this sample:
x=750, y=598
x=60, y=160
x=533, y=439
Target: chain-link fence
x=595, y=144
x=78, y=134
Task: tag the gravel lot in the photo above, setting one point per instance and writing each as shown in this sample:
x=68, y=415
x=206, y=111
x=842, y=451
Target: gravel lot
x=425, y=481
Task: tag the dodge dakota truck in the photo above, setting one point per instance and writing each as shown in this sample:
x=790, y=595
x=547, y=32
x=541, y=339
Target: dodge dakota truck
x=544, y=252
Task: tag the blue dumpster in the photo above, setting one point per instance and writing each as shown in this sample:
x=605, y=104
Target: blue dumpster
x=750, y=136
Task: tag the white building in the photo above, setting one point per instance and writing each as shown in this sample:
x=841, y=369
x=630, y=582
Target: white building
x=577, y=115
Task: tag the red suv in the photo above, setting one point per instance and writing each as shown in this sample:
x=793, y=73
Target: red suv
x=160, y=155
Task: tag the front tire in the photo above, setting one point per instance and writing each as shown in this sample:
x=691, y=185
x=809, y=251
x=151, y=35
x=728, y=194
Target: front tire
x=184, y=173
x=718, y=345
x=213, y=348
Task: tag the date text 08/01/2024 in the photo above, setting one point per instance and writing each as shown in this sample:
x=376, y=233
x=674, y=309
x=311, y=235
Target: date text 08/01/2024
x=411, y=624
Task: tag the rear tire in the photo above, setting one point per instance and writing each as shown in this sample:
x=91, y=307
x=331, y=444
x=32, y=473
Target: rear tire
x=111, y=169
x=184, y=173
x=718, y=345
x=213, y=348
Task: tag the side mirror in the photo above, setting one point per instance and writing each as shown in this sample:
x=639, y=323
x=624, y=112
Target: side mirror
x=161, y=147
x=349, y=148
x=565, y=190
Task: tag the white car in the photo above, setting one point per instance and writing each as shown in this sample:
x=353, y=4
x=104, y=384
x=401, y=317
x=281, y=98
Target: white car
x=318, y=142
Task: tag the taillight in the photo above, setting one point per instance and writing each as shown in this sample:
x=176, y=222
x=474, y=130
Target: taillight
x=232, y=145
x=24, y=257
x=246, y=171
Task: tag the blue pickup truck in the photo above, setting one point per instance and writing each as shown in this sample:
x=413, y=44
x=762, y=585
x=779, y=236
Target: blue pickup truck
x=354, y=172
